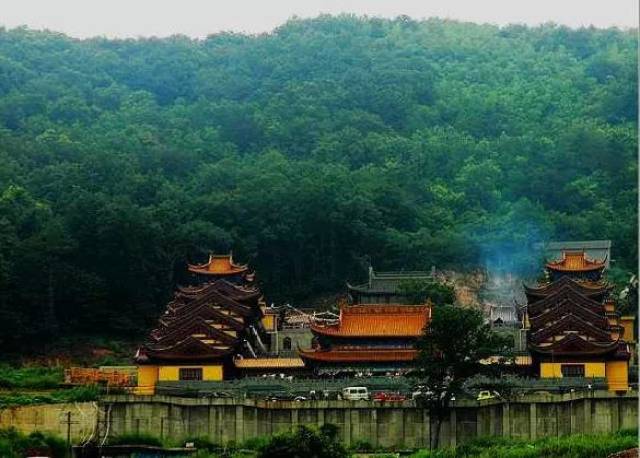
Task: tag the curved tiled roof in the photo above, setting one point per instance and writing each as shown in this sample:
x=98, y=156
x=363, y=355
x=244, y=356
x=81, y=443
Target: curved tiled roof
x=364, y=355
x=378, y=321
x=575, y=261
x=573, y=344
x=218, y=265
x=268, y=363
x=586, y=288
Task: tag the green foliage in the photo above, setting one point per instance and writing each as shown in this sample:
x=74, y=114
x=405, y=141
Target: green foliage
x=256, y=443
x=305, y=443
x=31, y=377
x=445, y=362
x=450, y=353
x=581, y=446
x=362, y=446
x=14, y=444
x=310, y=151
x=420, y=291
x=76, y=394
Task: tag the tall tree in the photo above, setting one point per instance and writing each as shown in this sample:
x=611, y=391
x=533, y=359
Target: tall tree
x=451, y=350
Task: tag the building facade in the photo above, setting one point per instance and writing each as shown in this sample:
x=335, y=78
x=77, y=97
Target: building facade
x=367, y=339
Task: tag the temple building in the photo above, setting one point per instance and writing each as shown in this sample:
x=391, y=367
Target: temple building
x=386, y=287
x=221, y=267
x=573, y=327
x=367, y=339
x=203, y=329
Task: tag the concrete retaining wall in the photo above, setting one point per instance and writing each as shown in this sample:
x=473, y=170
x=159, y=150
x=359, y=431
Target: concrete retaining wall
x=53, y=418
x=383, y=424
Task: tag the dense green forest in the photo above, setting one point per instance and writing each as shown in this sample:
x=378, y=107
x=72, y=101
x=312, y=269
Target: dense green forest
x=310, y=152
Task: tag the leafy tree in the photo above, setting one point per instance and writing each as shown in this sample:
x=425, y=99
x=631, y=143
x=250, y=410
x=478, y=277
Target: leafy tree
x=421, y=291
x=452, y=350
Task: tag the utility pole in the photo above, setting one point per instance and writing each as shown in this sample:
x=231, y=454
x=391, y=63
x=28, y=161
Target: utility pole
x=66, y=419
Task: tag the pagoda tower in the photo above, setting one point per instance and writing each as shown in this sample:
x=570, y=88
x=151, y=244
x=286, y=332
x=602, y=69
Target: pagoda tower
x=203, y=328
x=574, y=329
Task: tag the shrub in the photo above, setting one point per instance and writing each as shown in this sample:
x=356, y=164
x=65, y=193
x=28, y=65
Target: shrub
x=362, y=446
x=256, y=443
x=14, y=444
x=305, y=443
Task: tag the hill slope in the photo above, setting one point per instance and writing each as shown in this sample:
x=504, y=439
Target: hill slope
x=311, y=151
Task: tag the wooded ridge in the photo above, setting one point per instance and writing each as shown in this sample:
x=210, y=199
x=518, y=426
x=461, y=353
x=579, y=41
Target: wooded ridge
x=311, y=151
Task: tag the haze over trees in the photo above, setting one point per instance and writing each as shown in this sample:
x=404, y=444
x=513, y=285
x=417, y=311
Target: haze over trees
x=310, y=152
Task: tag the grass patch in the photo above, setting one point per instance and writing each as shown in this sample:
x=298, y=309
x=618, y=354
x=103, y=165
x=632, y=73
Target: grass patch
x=596, y=446
x=76, y=394
x=36, y=377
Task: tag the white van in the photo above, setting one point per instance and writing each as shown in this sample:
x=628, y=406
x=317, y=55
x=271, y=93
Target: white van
x=355, y=393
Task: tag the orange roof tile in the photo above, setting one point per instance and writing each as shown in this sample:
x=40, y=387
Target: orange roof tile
x=218, y=265
x=260, y=363
x=378, y=321
x=575, y=261
x=346, y=355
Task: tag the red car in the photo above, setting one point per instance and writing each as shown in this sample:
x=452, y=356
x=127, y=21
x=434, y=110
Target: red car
x=389, y=397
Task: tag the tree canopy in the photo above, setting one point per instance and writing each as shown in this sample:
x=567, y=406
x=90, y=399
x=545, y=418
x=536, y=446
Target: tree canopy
x=309, y=151
x=451, y=351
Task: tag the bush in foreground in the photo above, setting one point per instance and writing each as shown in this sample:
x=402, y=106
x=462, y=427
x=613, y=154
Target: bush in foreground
x=305, y=443
x=14, y=444
x=597, y=446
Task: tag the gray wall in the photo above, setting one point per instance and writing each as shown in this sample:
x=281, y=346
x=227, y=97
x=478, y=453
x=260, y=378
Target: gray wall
x=300, y=338
x=384, y=424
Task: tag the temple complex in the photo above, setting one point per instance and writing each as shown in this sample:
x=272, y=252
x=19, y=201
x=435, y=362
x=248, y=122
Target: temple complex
x=204, y=327
x=386, y=287
x=367, y=339
x=573, y=327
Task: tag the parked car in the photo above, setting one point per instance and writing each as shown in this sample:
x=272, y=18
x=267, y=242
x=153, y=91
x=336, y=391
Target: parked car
x=422, y=394
x=486, y=394
x=389, y=397
x=355, y=393
x=280, y=397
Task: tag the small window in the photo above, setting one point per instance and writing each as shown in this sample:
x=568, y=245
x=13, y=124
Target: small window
x=190, y=373
x=572, y=370
x=286, y=343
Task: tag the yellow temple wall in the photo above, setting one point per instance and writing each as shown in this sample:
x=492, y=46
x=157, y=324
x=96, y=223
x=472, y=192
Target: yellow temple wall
x=553, y=370
x=148, y=376
x=172, y=373
x=147, y=379
x=618, y=375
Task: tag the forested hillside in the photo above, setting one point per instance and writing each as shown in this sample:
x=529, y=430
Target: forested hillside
x=310, y=152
